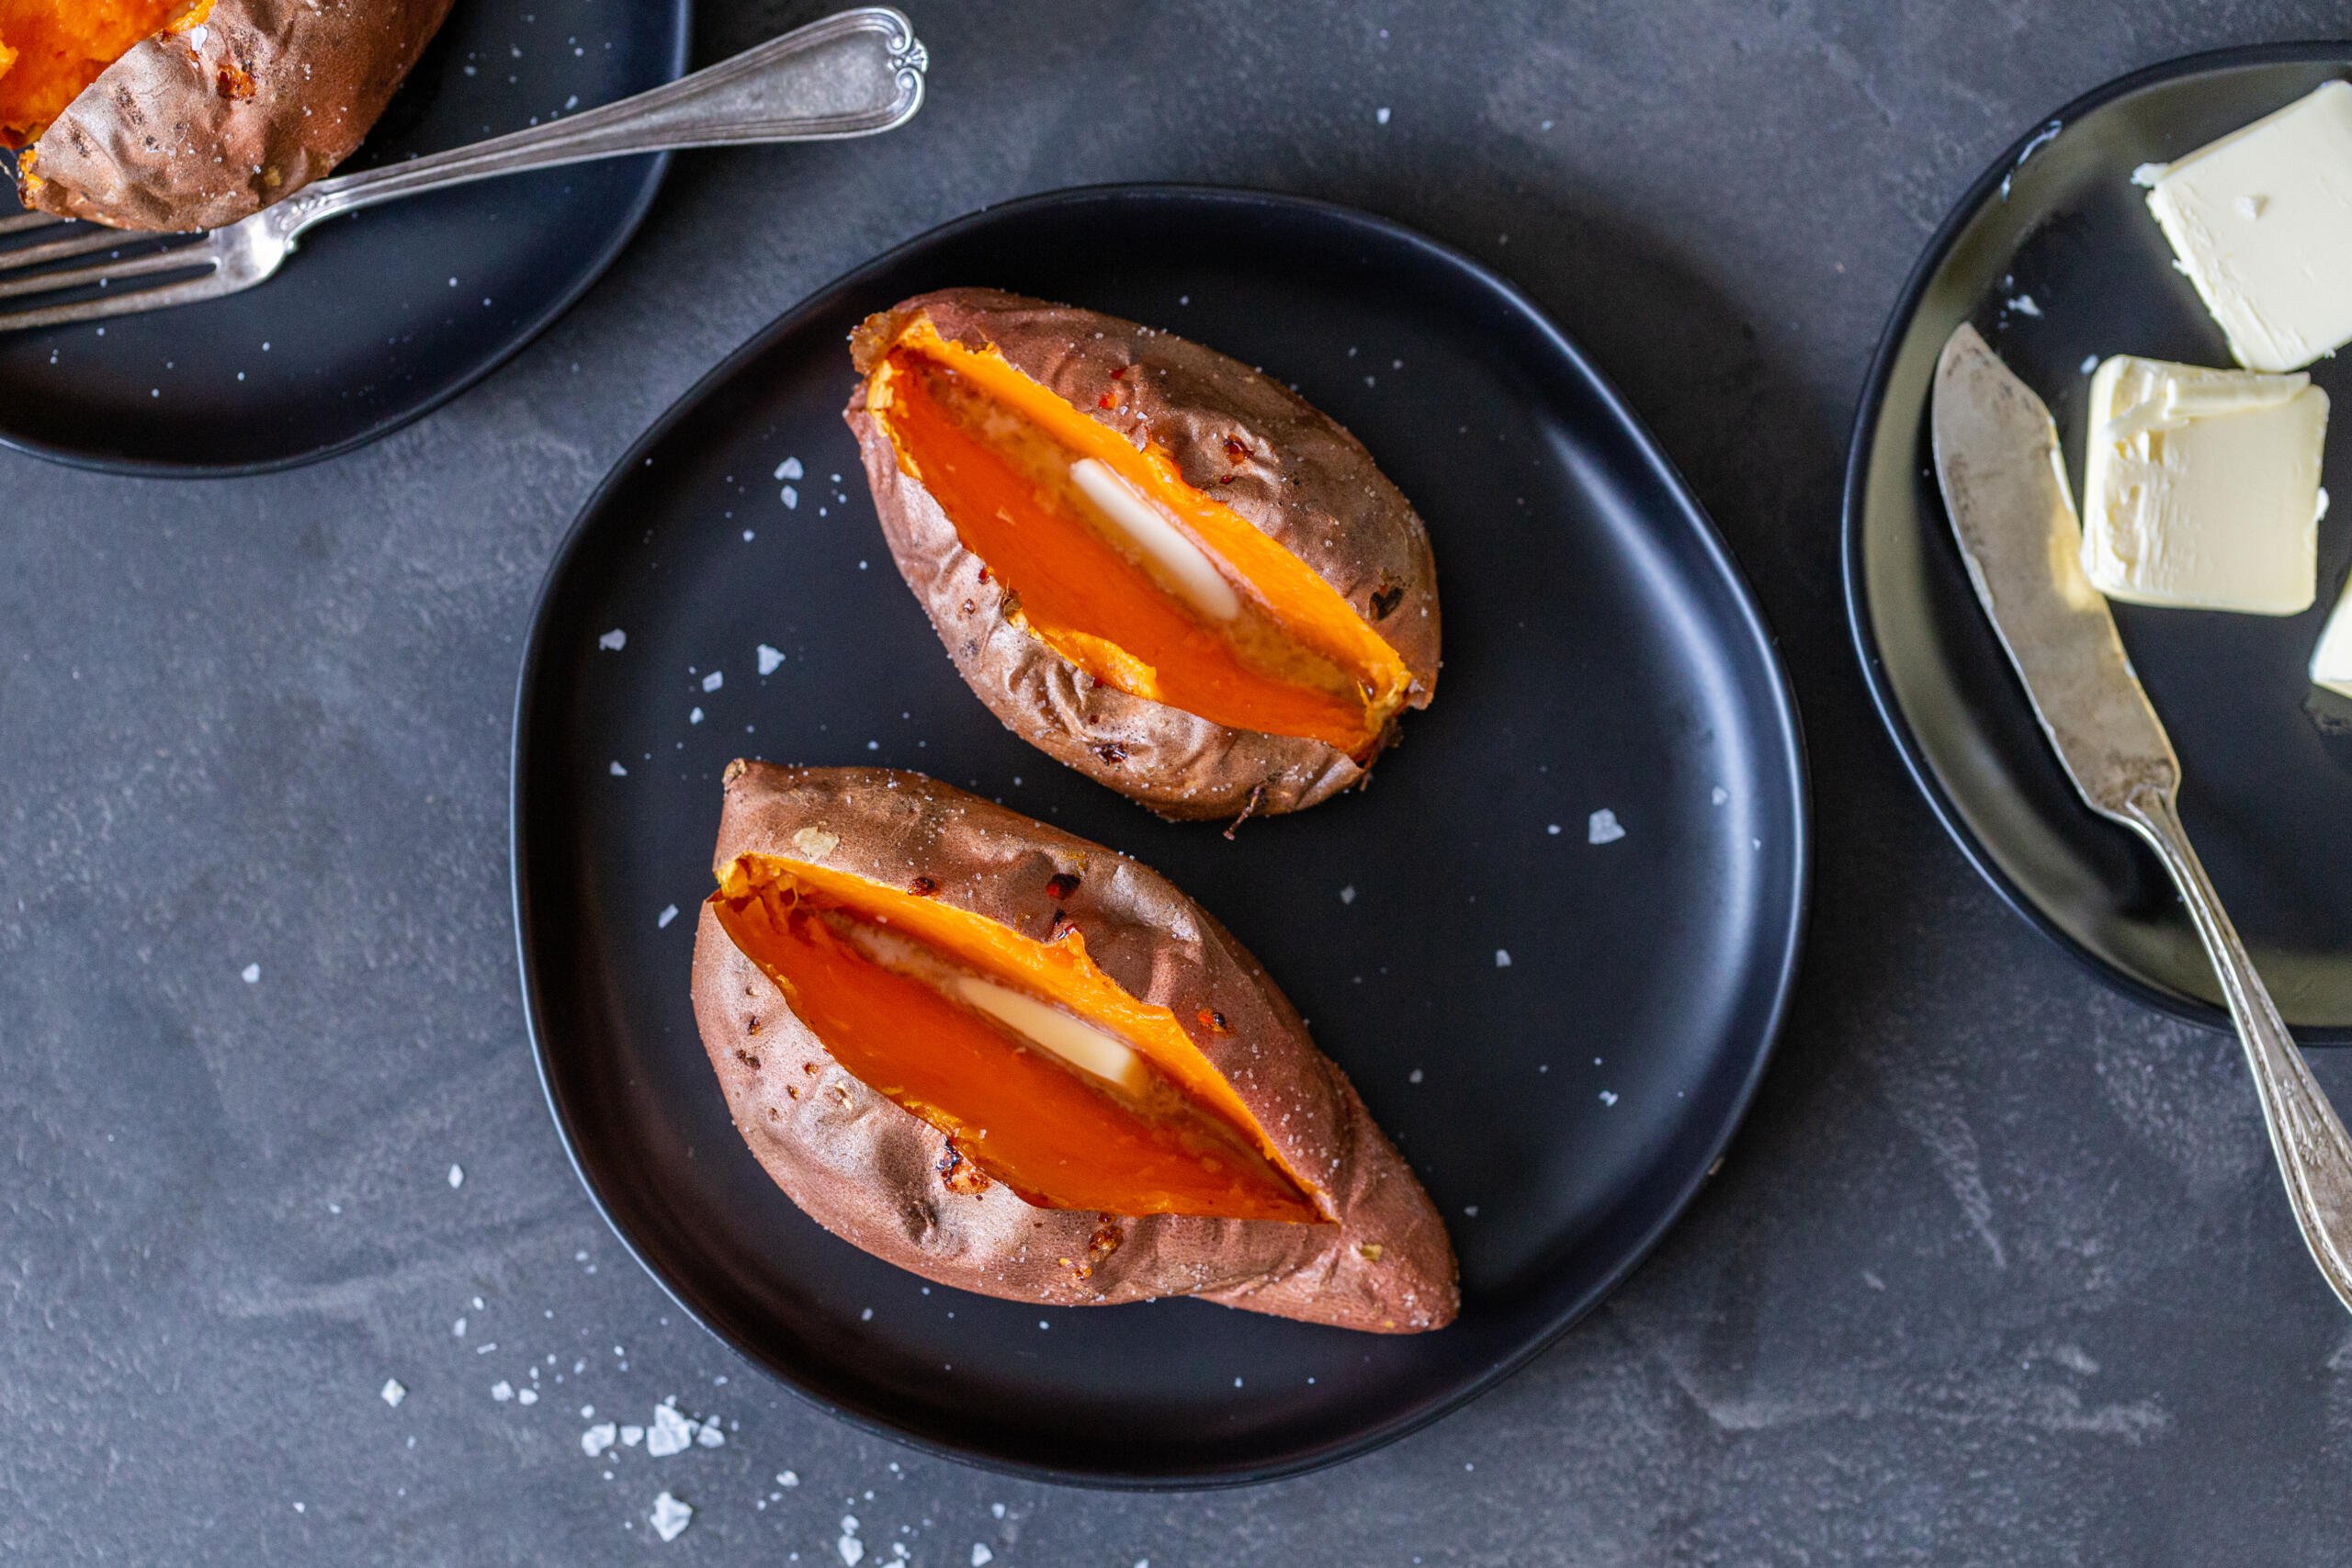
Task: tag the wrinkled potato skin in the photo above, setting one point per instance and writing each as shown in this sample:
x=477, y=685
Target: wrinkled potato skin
x=205, y=125
x=1305, y=481
x=869, y=1172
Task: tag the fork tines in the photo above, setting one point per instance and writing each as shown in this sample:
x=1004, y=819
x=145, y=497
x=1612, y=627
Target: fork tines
x=33, y=247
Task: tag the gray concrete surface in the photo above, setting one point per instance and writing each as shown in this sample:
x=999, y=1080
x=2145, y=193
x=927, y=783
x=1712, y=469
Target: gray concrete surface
x=1997, y=1272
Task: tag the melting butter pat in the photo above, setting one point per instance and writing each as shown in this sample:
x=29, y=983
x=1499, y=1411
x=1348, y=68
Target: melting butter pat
x=2202, y=487
x=2262, y=223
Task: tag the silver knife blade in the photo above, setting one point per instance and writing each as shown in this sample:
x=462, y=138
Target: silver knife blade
x=2005, y=488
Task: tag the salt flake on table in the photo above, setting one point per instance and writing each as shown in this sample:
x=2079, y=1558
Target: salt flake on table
x=1347, y=894
x=670, y=1518
x=527, y=1396
x=502, y=1391
x=715, y=680
x=251, y=973
x=982, y=1555
x=1502, y=958
x=669, y=912
x=708, y=1436
x=456, y=1176
x=670, y=1434
x=852, y=1549
x=788, y=1478
x=618, y=771
x=1380, y=115
x=791, y=499
x=632, y=1435
x=393, y=1393
x=1604, y=827
x=769, y=659
x=599, y=1438
x=789, y=469
x=1608, y=1097
x=612, y=641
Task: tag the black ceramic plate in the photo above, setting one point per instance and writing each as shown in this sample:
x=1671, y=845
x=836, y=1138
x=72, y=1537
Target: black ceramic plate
x=2055, y=256
x=384, y=316
x=1600, y=654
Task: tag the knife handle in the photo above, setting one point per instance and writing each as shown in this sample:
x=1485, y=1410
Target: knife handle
x=2306, y=1136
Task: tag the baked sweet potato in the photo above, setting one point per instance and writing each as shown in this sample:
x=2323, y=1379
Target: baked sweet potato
x=189, y=114
x=1152, y=562
x=1019, y=1063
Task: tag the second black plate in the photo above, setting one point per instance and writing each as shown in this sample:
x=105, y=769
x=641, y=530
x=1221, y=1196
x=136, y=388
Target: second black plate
x=1560, y=1033
x=386, y=315
x=2053, y=255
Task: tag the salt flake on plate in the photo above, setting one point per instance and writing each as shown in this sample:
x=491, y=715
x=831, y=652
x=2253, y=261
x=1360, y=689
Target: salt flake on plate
x=1604, y=827
x=393, y=1393
x=456, y=1176
x=612, y=641
x=662, y=921
x=769, y=659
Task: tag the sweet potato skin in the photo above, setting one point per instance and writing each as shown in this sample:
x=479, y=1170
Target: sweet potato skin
x=203, y=125
x=1299, y=477
x=871, y=1173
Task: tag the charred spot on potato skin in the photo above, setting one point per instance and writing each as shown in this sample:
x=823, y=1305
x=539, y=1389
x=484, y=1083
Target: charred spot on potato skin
x=959, y=1175
x=234, y=83
x=1385, y=598
x=1213, y=1021
x=1061, y=885
x=924, y=888
x=748, y=1059
x=1111, y=751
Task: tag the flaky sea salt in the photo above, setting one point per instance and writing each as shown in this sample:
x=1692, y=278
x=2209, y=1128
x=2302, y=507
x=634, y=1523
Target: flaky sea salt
x=670, y=1518
x=612, y=641
x=1604, y=827
x=982, y=1555
x=393, y=1393
x=456, y=1176
x=670, y=1434
x=769, y=659
x=502, y=1391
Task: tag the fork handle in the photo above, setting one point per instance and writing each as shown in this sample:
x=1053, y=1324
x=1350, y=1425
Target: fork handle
x=2306, y=1137
x=854, y=73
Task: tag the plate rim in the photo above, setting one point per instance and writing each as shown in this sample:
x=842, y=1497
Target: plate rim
x=657, y=172
x=1853, y=566
x=1751, y=624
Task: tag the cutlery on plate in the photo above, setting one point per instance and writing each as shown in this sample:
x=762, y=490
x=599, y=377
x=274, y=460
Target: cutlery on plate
x=2004, y=486
x=854, y=73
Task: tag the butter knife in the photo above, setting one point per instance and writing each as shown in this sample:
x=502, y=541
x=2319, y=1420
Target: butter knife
x=2004, y=486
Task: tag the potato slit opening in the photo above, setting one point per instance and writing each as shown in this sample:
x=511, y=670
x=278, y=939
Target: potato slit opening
x=1108, y=557
x=50, y=51
x=1042, y=1070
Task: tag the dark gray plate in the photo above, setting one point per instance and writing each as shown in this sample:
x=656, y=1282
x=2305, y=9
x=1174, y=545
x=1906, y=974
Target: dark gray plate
x=2267, y=760
x=1602, y=653
x=384, y=316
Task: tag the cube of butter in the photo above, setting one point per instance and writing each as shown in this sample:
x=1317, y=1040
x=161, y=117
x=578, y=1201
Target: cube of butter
x=2200, y=487
x=2262, y=223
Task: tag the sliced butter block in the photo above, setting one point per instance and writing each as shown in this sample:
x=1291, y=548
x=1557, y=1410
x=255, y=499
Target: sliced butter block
x=2262, y=223
x=2200, y=487
x=2332, y=660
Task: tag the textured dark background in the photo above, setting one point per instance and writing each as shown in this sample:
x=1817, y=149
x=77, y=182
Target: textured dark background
x=1997, y=1272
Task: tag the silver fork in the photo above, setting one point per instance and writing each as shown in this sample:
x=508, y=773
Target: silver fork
x=854, y=73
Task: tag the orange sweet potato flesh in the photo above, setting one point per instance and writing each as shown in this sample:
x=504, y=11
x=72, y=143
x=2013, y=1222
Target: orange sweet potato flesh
x=995, y=449
x=52, y=49
x=1060, y=1138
